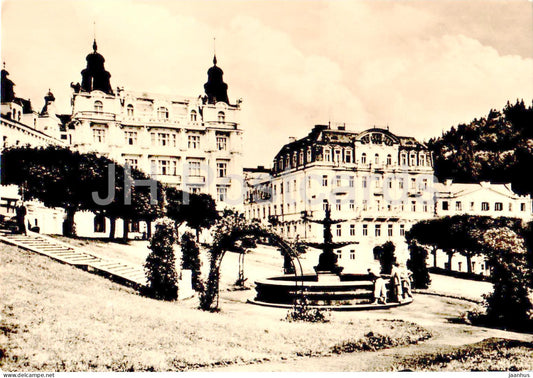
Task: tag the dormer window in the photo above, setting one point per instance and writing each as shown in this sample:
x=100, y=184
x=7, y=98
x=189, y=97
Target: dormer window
x=327, y=154
x=193, y=116
x=98, y=107
x=129, y=110
x=221, y=117
x=162, y=113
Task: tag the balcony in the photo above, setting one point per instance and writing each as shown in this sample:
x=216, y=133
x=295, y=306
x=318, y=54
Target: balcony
x=93, y=115
x=194, y=180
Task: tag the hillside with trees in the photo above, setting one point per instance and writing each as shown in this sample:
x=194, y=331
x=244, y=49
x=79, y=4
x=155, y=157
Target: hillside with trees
x=496, y=148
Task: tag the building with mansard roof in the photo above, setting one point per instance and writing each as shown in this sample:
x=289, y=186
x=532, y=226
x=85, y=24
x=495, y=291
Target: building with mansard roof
x=378, y=182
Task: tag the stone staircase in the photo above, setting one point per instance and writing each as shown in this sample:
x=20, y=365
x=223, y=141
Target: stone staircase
x=115, y=270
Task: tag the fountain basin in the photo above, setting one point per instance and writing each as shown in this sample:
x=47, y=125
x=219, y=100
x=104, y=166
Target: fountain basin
x=348, y=292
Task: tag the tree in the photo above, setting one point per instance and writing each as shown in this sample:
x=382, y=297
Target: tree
x=160, y=266
x=509, y=304
x=417, y=265
x=494, y=148
x=197, y=210
x=190, y=259
x=56, y=176
x=385, y=254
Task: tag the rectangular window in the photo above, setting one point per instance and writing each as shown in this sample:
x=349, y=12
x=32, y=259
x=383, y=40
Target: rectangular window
x=352, y=254
x=194, y=142
x=338, y=205
x=389, y=230
x=445, y=205
x=339, y=253
x=413, y=206
x=377, y=230
x=365, y=230
x=348, y=156
x=194, y=168
x=351, y=182
x=402, y=230
x=99, y=135
x=400, y=183
x=364, y=183
x=485, y=206
x=324, y=180
x=458, y=206
x=365, y=205
x=339, y=230
x=472, y=206
x=132, y=163
x=498, y=206
x=522, y=206
x=510, y=206
x=131, y=137
x=337, y=180
x=413, y=183
x=352, y=205
x=425, y=206
x=222, y=143
x=222, y=193
x=163, y=139
x=222, y=169
x=352, y=230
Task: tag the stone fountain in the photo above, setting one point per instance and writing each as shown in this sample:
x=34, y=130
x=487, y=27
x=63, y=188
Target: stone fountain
x=328, y=288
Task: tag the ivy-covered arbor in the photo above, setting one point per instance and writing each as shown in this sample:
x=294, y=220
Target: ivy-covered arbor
x=231, y=228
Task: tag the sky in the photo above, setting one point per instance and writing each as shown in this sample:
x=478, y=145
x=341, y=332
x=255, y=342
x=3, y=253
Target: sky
x=418, y=67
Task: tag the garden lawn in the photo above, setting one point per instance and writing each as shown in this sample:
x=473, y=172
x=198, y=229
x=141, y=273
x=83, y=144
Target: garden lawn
x=59, y=318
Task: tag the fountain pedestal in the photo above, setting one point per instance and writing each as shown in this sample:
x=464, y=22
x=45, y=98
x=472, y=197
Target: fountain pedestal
x=327, y=277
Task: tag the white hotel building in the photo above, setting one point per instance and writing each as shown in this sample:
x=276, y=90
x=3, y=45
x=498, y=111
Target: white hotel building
x=380, y=183
x=192, y=143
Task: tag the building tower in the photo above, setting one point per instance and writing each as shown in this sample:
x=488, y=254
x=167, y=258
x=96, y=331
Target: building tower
x=94, y=76
x=215, y=88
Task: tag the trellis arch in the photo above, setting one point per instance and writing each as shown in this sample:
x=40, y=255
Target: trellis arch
x=228, y=231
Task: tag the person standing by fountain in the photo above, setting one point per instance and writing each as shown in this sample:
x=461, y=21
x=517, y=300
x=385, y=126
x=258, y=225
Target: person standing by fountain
x=405, y=278
x=396, y=282
x=380, y=288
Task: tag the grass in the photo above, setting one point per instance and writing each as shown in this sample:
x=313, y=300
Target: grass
x=58, y=318
x=491, y=354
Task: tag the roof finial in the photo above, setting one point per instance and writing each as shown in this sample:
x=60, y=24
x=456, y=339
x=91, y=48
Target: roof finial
x=214, y=51
x=94, y=36
x=4, y=65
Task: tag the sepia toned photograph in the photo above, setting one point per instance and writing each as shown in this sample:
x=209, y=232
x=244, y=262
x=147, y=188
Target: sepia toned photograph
x=274, y=186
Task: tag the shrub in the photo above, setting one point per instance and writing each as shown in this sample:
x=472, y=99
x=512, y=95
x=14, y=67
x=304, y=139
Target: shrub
x=301, y=312
x=160, y=266
x=385, y=254
x=417, y=265
x=190, y=259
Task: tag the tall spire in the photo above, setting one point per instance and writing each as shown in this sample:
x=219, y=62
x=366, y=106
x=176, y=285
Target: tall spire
x=95, y=47
x=214, y=51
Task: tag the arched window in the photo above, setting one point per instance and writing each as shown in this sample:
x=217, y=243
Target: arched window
x=162, y=113
x=389, y=159
x=221, y=117
x=363, y=158
x=98, y=106
x=193, y=116
x=376, y=158
x=404, y=158
x=309, y=155
x=129, y=110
